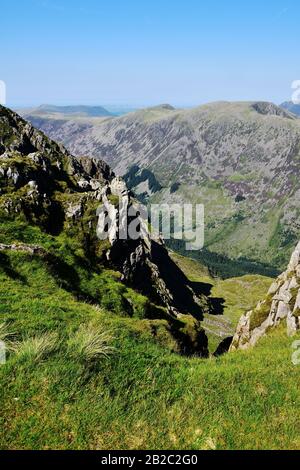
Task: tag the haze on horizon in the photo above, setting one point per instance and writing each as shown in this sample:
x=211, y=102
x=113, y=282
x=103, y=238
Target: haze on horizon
x=145, y=53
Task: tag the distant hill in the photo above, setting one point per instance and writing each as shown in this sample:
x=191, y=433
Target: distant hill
x=291, y=107
x=72, y=111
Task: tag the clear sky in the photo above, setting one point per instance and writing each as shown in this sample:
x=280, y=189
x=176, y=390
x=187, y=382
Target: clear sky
x=144, y=52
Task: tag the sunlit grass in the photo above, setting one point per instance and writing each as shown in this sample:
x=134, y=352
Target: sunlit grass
x=37, y=348
x=90, y=343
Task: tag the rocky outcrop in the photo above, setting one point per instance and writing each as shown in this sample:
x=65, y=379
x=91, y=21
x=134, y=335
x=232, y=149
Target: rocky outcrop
x=270, y=109
x=144, y=262
x=282, y=304
x=30, y=249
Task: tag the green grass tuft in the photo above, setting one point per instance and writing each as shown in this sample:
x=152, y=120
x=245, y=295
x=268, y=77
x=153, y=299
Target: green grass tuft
x=37, y=348
x=90, y=343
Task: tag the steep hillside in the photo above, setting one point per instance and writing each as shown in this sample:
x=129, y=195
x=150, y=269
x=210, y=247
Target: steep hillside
x=239, y=159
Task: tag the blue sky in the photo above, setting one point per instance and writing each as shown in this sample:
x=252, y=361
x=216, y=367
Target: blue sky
x=148, y=52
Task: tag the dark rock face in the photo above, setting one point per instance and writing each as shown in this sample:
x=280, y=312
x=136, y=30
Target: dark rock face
x=41, y=182
x=223, y=347
x=96, y=169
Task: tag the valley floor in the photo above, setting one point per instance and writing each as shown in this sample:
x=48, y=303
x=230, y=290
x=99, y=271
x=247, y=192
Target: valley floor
x=232, y=297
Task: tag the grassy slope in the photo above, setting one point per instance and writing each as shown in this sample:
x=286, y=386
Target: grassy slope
x=142, y=396
x=73, y=271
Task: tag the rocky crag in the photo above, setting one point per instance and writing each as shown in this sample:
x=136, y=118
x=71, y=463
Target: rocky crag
x=282, y=305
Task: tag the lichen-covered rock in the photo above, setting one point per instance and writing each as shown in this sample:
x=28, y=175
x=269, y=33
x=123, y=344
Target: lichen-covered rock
x=281, y=304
